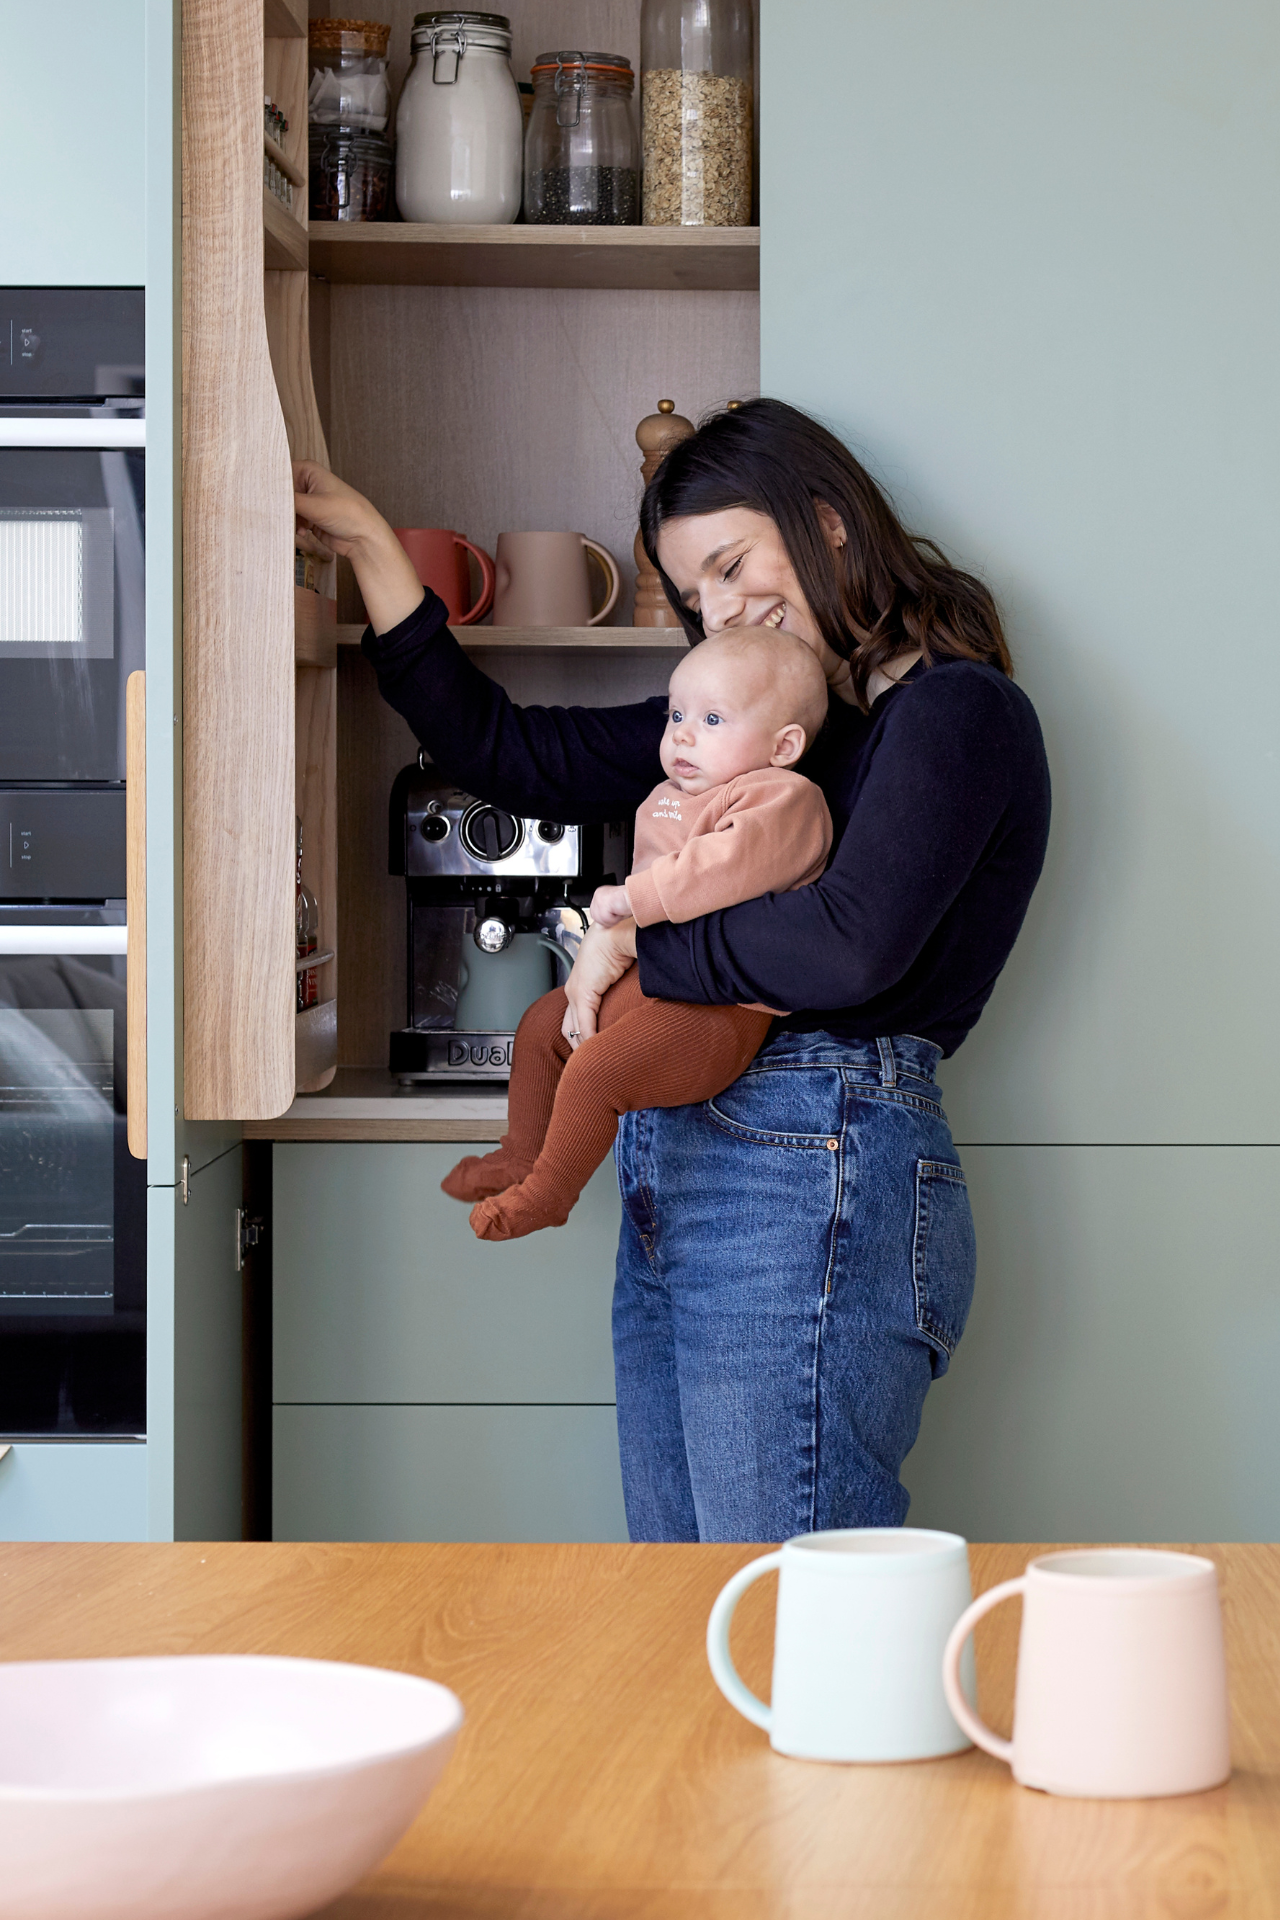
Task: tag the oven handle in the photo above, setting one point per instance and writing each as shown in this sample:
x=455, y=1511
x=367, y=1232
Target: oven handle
x=64, y=939
x=72, y=434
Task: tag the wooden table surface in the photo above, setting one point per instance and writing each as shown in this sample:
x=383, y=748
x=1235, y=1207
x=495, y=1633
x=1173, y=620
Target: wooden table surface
x=600, y=1774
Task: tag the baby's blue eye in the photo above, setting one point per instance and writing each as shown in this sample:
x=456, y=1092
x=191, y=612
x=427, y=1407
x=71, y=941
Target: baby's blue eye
x=675, y=716
x=713, y=719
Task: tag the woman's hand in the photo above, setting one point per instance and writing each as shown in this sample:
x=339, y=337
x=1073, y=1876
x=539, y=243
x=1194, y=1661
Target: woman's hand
x=603, y=957
x=333, y=518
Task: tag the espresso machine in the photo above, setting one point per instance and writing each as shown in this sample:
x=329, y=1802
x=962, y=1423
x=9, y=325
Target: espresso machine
x=497, y=905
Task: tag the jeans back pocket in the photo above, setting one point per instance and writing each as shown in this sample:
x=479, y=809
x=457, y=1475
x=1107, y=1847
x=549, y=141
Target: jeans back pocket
x=944, y=1256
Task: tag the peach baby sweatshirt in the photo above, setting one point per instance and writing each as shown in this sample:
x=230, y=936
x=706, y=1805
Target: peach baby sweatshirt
x=761, y=832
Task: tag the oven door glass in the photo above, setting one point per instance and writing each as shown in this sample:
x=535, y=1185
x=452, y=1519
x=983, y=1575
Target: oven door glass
x=72, y=1203
x=71, y=609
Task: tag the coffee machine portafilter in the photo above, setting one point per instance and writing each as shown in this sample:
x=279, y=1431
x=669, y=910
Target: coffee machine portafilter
x=496, y=906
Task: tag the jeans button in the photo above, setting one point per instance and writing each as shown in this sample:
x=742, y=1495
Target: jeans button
x=832, y=1145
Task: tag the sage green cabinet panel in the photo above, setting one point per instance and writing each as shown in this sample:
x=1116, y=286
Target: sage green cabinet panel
x=446, y=1473
x=1012, y=254
x=1117, y=1380
x=208, y=1337
x=383, y=1293
x=73, y=1490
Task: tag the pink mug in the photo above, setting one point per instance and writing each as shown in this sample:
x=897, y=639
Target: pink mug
x=439, y=559
x=1122, y=1680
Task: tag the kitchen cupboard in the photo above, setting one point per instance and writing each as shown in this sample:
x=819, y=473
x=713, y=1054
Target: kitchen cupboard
x=478, y=378
x=427, y=1385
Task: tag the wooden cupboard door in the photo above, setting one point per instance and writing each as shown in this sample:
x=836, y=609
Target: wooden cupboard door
x=446, y=1473
x=238, y=599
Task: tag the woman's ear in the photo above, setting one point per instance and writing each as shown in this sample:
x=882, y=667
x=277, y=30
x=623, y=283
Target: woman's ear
x=832, y=525
x=788, y=746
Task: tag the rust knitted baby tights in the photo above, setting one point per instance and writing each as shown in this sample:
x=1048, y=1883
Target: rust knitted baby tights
x=564, y=1104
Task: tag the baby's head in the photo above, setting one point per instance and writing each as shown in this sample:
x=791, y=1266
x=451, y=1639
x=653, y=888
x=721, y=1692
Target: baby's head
x=751, y=698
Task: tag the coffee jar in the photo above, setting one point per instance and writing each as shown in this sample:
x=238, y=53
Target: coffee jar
x=581, y=152
x=697, y=112
x=460, y=125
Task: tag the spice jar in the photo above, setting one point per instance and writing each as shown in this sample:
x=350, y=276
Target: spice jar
x=348, y=74
x=695, y=77
x=460, y=125
x=350, y=173
x=581, y=163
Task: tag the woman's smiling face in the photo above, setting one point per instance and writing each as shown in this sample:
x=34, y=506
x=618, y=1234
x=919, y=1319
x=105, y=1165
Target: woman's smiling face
x=732, y=568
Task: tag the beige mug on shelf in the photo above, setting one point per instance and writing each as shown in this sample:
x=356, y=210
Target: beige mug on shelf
x=543, y=580
x=1122, y=1681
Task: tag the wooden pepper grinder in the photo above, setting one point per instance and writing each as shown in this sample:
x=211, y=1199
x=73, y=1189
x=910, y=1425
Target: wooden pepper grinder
x=655, y=436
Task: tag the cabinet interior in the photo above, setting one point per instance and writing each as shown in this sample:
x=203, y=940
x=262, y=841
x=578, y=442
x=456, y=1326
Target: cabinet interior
x=481, y=407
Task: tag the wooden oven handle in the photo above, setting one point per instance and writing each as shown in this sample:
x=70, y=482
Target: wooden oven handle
x=135, y=816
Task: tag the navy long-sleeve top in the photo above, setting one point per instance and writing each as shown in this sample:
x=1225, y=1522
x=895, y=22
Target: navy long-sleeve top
x=939, y=797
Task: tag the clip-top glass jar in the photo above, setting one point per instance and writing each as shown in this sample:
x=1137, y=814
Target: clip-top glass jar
x=347, y=61
x=695, y=78
x=460, y=125
x=581, y=159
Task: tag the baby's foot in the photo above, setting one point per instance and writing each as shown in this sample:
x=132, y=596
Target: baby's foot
x=481, y=1174
x=513, y=1213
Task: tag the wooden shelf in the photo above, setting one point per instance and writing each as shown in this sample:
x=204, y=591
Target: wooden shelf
x=362, y=1103
x=284, y=238
x=716, y=259
x=288, y=167
x=314, y=629
x=555, y=639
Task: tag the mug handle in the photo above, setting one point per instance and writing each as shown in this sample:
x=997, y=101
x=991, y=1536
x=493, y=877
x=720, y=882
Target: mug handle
x=485, y=601
x=723, y=1671
x=978, y=1730
x=612, y=573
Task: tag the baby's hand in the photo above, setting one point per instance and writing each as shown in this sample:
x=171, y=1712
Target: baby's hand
x=609, y=905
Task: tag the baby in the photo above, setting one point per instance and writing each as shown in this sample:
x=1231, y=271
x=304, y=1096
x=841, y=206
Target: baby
x=729, y=822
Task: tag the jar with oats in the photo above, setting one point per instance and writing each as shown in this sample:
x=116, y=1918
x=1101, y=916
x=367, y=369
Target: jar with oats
x=696, y=112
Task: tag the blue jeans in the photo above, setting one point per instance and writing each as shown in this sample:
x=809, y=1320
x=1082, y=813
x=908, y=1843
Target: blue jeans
x=796, y=1266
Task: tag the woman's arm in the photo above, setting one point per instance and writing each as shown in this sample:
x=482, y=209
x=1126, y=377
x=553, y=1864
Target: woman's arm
x=940, y=784
x=567, y=763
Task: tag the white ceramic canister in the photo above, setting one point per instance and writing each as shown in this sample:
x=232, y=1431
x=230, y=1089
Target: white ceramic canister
x=460, y=125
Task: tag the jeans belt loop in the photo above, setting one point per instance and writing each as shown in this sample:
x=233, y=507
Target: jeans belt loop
x=888, y=1064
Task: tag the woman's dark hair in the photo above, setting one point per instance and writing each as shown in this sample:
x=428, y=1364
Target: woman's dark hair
x=885, y=593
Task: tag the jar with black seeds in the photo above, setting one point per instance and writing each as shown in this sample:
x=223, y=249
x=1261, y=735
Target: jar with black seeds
x=582, y=147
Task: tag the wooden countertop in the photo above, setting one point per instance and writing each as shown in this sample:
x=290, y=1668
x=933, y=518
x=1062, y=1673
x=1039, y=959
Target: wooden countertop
x=601, y=1776
x=365, y=1103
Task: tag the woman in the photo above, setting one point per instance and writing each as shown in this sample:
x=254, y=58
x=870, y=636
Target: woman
x=797, y=1257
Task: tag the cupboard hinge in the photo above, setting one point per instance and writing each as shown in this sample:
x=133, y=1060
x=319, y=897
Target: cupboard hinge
x=251, y=1230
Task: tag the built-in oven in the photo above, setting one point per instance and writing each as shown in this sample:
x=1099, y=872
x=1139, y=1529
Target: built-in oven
x=72, y=1198
x=72, y=524
x=72, y=582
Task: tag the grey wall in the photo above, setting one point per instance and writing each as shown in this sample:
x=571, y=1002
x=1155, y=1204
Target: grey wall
x=1022, y=257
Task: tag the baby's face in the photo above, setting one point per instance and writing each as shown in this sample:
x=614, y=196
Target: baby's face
x=723, y=719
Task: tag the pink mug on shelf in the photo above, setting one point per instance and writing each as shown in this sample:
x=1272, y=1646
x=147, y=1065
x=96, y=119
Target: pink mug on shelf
x=439, y=559
x=1122, y=1679
x=544, y=581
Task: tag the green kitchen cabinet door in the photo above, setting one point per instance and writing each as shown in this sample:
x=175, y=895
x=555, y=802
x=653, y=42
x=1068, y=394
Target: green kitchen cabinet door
x=1116, y=1380
x=446, y=1473
x=383, y=1294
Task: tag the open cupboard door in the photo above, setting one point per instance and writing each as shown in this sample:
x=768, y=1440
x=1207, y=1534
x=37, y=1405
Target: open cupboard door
x=249, y=772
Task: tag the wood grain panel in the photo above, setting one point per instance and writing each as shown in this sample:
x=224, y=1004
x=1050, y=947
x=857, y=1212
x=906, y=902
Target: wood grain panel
x=373, y=744
x=505, y=409
x=316, y=780
x=674, y=259
x=600, y=1775
x=286, y=302
x=280, y=17
x=237, y=597
x=135, y=800
x=284, y=78
x=284, y=238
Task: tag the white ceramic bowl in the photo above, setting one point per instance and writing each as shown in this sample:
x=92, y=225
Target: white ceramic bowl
x=184, y=1789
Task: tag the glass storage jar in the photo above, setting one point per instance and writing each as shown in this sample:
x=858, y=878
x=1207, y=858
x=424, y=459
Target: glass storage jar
x=460, y=125
x=581, y=160
x=696, y=108
x=347, y=62
x=350, y=173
